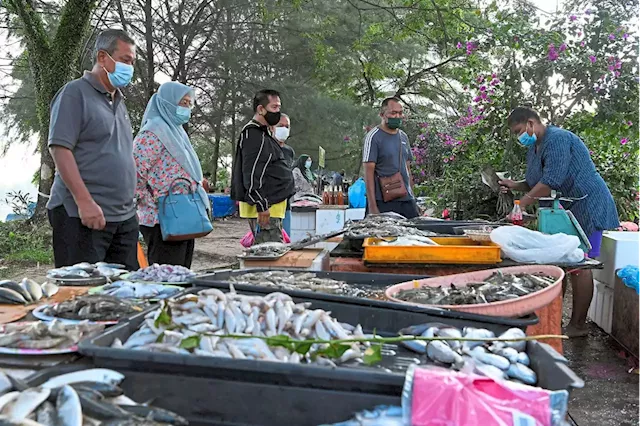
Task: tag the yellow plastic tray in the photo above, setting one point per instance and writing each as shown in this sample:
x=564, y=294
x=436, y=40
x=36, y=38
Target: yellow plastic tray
x=451, y=250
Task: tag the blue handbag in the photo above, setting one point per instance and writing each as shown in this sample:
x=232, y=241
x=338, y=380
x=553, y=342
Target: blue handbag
x=183, y=216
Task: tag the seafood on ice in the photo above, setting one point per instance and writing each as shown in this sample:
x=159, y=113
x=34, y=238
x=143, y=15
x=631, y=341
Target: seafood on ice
x=87, y=270
x=95, y=307
x=46, y=335
x=26, y=292
x=286, y=280
x=162, y=274
x=139, y=290
x=381, y=226
x=498, y=360
x=496, y=288
x=198, y=324
x=85, y=397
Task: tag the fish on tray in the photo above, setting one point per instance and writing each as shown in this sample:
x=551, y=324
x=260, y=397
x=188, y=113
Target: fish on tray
x=197, y=324
x=82, y=398
x=94, y=307
x=286, y=280
x=43, y=335
x=87, y=270
x=496, y=288
x=133, y=290
x=498, y=360
x=26, y=292
x=162, y=274
x=381, y=226
x=267, y=250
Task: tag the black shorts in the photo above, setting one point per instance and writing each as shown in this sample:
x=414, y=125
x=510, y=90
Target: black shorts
x=74, y=243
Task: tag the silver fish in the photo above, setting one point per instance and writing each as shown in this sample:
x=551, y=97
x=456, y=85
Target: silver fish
x=490, y=371
x=12, y=285
x=523, y=359
x=33, y=288
x=68, y=407
x=321, y=332
x=8, y=398
x=509, y=353
x=11, y=296
x=27, y=403
x=271, y=322
x=451, y=332
x=490, y=359
x=49, y=289
x=522, y=373
x=439, y=351
x=101, y=375
x=46, y=414
x=515, y=333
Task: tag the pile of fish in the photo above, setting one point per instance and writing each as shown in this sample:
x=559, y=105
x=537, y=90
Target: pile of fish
x=286, y=280
x=380, y=226
x=496, y=288
x=43, y=335
x=139, y=290
x=25, y=293
x=87, y=270
x=95, y=307
x=408, y=240
x=162, y=274
x=205, y=318
x=498, y=360
x=83, y=398
x=267, y=250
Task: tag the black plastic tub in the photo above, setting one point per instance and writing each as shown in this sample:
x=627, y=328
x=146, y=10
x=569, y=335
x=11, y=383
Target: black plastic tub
x=394, y=315
x=205, y=401
x=386, y=378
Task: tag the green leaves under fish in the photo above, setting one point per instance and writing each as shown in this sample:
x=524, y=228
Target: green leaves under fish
x=165, y=317
x=190, y=342
x=373, y=354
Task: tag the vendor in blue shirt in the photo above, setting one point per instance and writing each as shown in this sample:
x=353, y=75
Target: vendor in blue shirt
x=558, y=160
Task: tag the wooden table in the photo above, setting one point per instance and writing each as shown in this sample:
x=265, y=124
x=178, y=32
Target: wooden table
x=308, y=259
x=550, y=316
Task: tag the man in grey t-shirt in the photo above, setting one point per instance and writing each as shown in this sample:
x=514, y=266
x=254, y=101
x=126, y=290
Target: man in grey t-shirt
x=91, y=209
x=386, y=152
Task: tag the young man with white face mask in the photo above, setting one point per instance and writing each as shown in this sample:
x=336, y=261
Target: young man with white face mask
x=281, y=134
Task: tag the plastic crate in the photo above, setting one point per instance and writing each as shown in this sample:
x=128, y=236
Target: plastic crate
x=601, y=308
x=450, y=250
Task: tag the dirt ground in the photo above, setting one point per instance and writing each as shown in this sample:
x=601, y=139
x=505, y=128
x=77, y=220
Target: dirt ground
x=216, y=251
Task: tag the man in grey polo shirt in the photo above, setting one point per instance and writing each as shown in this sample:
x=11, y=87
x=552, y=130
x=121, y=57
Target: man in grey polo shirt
x=91, y=209
x=383, y=146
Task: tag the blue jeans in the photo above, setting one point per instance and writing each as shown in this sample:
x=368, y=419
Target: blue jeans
x=286, y=222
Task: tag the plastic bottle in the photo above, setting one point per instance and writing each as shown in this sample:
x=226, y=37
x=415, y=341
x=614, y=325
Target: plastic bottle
x=325, y=196
x=340, y=200
x=516, y=214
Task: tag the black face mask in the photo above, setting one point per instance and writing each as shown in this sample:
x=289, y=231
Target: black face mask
x=272, y=118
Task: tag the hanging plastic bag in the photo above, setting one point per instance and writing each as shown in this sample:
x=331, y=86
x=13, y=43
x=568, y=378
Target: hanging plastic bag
x=358, y=194
x=527, y=246
x=630, y=276
x=248, y=239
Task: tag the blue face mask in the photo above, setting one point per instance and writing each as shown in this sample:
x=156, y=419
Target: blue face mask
x=121, y=75
x=526, y=139
x=307, y=164
x=183, y=114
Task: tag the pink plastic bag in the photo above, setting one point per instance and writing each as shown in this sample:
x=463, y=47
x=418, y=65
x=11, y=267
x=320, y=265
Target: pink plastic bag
x=444, y=397
x=248, y=239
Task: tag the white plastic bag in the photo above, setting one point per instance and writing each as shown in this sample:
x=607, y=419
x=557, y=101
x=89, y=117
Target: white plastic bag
x=523, y=245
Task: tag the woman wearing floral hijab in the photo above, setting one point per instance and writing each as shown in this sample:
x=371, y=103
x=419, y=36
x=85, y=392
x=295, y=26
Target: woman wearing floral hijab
x=163, y=153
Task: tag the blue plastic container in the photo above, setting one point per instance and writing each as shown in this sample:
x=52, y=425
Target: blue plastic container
x=222, y=205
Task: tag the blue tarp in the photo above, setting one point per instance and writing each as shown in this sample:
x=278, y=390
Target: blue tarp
x=222, y=205
x=13, y=216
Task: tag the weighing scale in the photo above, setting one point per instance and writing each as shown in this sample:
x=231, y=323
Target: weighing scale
x=554, y=219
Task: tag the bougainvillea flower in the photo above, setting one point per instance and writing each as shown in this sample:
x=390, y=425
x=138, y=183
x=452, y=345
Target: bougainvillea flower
x=629, y=123
x=495, y=82
x=625, y=36
x=590, y=152
x=592, y=59
x=483, y=88
x=610, y=67
x=446, y=160
x=424, y=124
x=421, y=137
x=617, y=73
x=563, y=47
x=573, y=18
x=624, y=141
x=587, y=12
x=483, y=95
x=552, y=54
x=494, y=75
x=612, y=36
x=476, y=99
x=459, y=45
x=583, y=43
x=480, y=78
x=346, y=138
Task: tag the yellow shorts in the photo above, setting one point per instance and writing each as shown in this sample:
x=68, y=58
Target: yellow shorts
x=247, y=211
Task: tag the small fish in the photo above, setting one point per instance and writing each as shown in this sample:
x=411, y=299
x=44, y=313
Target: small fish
x=10, y=296
x=271, y=322
x=515, y=333
x=46, y=414
x=8, y=398
x=490, y=359
x=439, y=351
x=95, y=408
x=68, y=407
x=451, y=332
x=417, y=346
x=523, y=373
x=27, y=403
x=509, y=353
x=523, y=359
x=5, y=383
x=156, y=414
x=321, y=331
x=12, y=285
x=106, y=389
x=101, y=375
x=33, y=288
x=42, y=343
x=229, y=321
x=490, y=371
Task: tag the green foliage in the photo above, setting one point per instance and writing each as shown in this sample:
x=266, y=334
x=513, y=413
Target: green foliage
x=24, y=242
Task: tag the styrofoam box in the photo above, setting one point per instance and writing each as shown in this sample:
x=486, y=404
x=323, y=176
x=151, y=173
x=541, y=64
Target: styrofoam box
x=329, y=220
x=303, y=224
x=601, y=308
x=354, y=214
x=618, y=250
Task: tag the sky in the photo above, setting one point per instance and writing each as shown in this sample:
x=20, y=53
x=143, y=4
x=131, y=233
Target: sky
x=20, y=163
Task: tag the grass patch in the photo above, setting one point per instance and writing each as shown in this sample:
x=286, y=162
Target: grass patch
x=22, y=241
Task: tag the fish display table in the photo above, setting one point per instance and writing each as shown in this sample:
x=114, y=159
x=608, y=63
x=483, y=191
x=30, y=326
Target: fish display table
x=550, y=316
x=307, y=259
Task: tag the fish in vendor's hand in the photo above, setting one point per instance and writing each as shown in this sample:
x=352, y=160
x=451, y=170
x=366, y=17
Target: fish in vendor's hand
x=559, y=160
x=261, y=179
x=81, y=398
x=91, y=208
x=387, y=157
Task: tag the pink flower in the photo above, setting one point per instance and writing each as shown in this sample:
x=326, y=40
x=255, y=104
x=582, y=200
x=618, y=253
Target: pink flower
x=552, y=54
x=347, y=139
x=623, y=141
x=452, y=158
x=625, y=36
x=471, y=46
x=590, y=152
x=629, y=123
x=494, y=75
x=422, y=173
x=495, y=82
x=446, y=160
x=583, y=43
x=492, y=92
x=587, y=12
x=612, y=36
x=579, y=33
x=476, y=99
x=480, y=78
x=483, y=95
x=573, y=18
x=617, y=73
x=563, y=47
x=421, y=137
x=483, y=88
x=592, y=59
x=459, y=45
x=610, y=67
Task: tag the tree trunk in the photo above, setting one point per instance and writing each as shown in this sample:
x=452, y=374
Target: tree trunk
x=148, y=25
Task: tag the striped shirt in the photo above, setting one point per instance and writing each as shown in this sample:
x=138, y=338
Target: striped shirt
x=563, y=163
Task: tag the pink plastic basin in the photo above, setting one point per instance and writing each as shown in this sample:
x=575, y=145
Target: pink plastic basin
x=507, y=308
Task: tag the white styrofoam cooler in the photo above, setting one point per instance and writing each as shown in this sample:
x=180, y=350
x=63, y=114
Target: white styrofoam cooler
x=618, y=250
x=303, y=224
x=329, y=220
x=354, y=214
x=601, y=308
